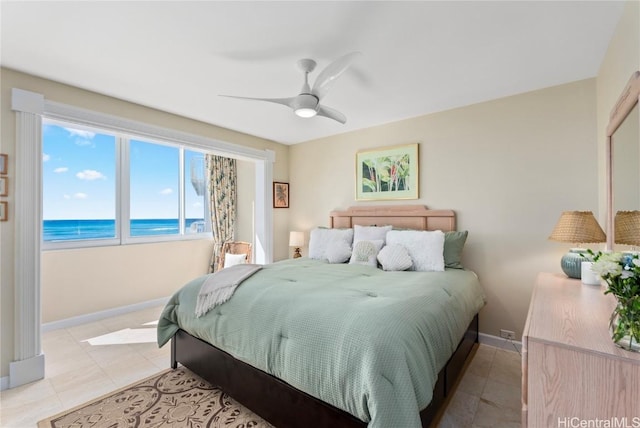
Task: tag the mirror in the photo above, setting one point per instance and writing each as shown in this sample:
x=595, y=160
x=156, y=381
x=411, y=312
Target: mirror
x=623, y=156
x=626, y=164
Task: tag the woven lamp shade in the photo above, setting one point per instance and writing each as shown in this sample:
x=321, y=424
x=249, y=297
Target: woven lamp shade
x=627, y=226
x=578, y=227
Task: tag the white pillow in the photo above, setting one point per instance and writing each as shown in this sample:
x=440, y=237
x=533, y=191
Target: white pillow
x=394, y=257
x=234, y=259
x=370, y=233
x=320, y=238
x=426, y=248
x=338, y=252
x=366, y=252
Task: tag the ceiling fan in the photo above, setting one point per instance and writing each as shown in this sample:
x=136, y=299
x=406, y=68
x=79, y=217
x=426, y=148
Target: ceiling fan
x=307, y=102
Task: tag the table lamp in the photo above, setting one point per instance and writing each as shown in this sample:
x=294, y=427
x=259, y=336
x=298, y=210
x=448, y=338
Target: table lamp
x=296, y=239
x=627, y=228
x=576, y=227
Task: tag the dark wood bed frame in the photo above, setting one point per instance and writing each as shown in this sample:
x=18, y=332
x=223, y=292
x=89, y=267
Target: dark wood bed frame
x=285, y=406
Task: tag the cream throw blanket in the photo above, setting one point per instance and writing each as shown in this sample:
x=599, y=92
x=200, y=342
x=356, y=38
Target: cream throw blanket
x=219, y=286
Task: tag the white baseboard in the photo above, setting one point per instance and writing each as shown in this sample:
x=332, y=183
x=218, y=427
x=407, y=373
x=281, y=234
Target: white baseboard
x=499, y=342
x=97, y=316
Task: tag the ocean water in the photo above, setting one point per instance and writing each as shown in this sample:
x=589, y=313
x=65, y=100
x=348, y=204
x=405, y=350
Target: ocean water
x=65, y=230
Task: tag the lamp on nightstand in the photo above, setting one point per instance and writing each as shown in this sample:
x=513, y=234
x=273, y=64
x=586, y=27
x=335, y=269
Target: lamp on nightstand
x=576, y=227
x=296, y=239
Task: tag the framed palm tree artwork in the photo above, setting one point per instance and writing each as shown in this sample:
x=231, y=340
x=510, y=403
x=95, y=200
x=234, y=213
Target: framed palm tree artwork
x=280, y=195
x=387, y=173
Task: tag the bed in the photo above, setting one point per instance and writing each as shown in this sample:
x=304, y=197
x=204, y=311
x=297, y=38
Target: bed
x=384, y=375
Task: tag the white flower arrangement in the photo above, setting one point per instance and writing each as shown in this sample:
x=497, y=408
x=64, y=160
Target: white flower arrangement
x=621, y=272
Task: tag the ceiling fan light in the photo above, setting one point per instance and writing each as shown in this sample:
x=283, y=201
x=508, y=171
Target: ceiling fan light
x=305, y=112
x=305, y=105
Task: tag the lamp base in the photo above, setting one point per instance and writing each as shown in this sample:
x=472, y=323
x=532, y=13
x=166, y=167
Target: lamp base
x=571, y=263
x=296, y=253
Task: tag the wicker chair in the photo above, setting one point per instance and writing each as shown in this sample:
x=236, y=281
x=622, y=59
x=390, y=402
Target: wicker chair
x=235, y=247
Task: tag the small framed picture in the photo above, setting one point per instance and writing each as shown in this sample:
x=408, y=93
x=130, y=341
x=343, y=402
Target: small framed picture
x=4, y=187
x=3, y=210
x=280, y=195
x=3, y=163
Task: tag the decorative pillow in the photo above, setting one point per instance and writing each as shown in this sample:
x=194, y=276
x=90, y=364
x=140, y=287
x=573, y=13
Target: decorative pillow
x=366, y=252
x=338, y=251
x=321, y=237
x=394, y=257
x=426, y=248
x=370, y=233
x=234, y=259
x=453, y=245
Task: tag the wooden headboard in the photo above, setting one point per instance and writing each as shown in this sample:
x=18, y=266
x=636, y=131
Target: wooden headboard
x=416, y=217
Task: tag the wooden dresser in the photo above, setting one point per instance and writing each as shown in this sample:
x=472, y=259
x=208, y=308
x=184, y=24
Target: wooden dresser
x=571, y=370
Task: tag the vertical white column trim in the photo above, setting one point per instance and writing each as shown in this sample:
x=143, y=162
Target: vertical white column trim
x=29, y=361
x=28, y=231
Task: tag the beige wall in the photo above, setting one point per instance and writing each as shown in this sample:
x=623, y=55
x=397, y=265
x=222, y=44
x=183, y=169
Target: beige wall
x=119, y=275
x=507, y=167
x=83, y=281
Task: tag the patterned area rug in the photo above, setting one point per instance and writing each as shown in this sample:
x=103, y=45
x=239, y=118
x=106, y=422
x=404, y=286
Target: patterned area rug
x=172, y=398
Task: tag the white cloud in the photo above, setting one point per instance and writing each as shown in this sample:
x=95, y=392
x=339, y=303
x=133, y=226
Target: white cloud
x=45, y=157
x=61, y=169
x=90, y=175
x=84, y=138
x=78, y=195
x=80, y=133
x=166, y=191
x=197, y=204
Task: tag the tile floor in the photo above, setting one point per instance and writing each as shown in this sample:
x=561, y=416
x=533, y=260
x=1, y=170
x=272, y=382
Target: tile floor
x=77, y=371
x=488, y=395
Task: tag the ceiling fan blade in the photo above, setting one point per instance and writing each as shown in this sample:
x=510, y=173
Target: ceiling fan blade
x=331, y=73
x=284, y=101
x=332, y=114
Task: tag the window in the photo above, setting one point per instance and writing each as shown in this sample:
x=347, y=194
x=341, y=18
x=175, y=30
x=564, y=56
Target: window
x=155, y=181
x=78, y=183
x=196, y=203
x=102, y=188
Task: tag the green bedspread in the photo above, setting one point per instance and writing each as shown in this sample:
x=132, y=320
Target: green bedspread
x=366, y=341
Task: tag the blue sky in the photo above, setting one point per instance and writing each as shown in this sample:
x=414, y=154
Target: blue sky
x=79, y=177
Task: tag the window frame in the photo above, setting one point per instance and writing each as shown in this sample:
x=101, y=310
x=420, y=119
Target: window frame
x=123, y=191
x=125, y=230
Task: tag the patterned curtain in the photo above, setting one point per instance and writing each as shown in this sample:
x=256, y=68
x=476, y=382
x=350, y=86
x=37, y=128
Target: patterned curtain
x=222, y=192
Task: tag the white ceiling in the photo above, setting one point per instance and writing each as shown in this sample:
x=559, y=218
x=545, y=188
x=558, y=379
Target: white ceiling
x=418, y=57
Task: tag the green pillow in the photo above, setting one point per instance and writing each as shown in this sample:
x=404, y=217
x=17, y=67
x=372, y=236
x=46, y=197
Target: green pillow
x=453, y=245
